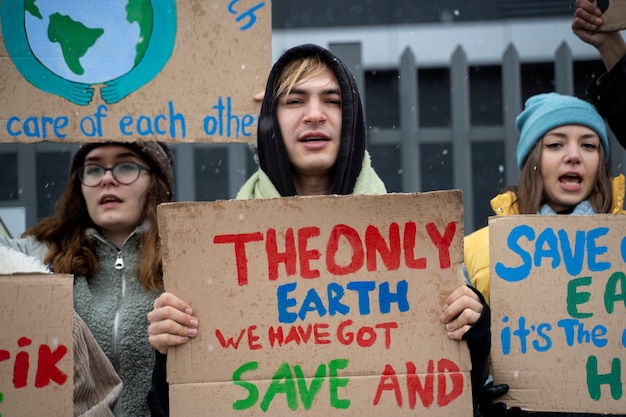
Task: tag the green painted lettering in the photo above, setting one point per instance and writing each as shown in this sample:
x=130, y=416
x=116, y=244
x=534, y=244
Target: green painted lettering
x=595, y=380
x=611, y=295
x=336, y=383
x=253, y=392
x=574, y=298
x=287, y=387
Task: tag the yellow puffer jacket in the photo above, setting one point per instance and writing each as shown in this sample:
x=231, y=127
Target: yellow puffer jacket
x=476, y=254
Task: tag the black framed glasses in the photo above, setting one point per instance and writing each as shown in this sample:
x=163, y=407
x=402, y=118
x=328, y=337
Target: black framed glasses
x=125, y=173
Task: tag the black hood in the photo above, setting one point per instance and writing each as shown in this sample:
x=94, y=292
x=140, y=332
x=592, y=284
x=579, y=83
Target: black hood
x=272, y=153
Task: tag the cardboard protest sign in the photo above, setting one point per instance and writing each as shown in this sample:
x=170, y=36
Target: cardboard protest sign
x=325, y=304
x=36, y=355
x=170, y=70
x=558, y=302
x=613, y=15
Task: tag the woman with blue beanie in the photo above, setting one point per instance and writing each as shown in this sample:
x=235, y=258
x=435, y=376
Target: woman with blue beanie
x=562, y=153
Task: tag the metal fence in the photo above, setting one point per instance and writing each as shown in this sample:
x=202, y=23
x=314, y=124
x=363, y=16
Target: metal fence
x=461, y=134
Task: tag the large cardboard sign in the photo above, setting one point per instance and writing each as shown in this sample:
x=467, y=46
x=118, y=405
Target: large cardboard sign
x=170, y=70
x=558, y=300
x=36, y=354
x=327, y=305
x=613, y=15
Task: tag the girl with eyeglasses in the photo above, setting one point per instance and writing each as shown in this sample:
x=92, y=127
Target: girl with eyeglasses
x=104, y=232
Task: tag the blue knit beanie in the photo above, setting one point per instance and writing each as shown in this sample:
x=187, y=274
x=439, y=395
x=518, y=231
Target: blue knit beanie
x=544, y=112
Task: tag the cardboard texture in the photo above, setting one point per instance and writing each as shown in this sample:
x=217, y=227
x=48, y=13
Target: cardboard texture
x=558, y=306
x=36, y=350
x=174, y=70
x=613, y=15
x=325, y=304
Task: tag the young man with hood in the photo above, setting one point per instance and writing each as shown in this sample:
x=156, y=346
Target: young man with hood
x=311, y=134
x=311, y=141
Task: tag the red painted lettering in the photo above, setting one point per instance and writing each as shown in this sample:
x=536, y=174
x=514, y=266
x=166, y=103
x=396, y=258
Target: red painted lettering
x=442, y=243
x=321, y=338
x=375, y=243
x=22, y=363
x=387, y=326
x=306, y=255
x=364, y=336
x=354, y=240
x=274, y=257
x=389, y=382
x=230, y=341
x=447, y=367
x=414, y=385
x=410, y=233
x=47, y=366
x=346, y=252
x=240, y=251
x=446, y=371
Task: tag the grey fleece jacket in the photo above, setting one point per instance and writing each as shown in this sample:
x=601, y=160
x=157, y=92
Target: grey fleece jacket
x=114, y=306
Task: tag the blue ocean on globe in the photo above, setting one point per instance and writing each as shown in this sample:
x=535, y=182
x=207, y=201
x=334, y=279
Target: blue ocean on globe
x=86, y=41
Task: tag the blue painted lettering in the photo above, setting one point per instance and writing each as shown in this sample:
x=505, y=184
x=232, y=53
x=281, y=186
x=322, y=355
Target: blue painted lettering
x=160, y=124
x=92, y=126
x=549, y=246
x=594, y=251
x=575, y=332
x=537, y=335
x=35, y=127
x=248, y=14
x=542, y=330
x=515, y=274
x=334, y=301
x=573, y=258
x=226, y=123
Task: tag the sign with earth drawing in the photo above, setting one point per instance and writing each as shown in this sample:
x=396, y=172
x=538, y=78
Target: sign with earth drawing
x=169, y=70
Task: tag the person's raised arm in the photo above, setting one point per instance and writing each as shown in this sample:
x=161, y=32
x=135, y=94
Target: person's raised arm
x=171, y=323
x=587, y=20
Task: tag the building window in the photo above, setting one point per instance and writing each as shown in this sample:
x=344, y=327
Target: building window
x=486, y=95
x=382, y=99
x=488, y=178
x=8, y=172
x=583, y=73
x=434, y=97
x=436, y=166
x=537, y=78
x=52, y=175
x=211, y=173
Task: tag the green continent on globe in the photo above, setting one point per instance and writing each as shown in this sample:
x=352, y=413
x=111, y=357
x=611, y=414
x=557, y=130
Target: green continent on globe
x=32, y=8
x=74, y=38
x=140, y=11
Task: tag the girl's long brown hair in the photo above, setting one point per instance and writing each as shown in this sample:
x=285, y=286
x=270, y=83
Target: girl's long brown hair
x=529, y=189
x=72, y=252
